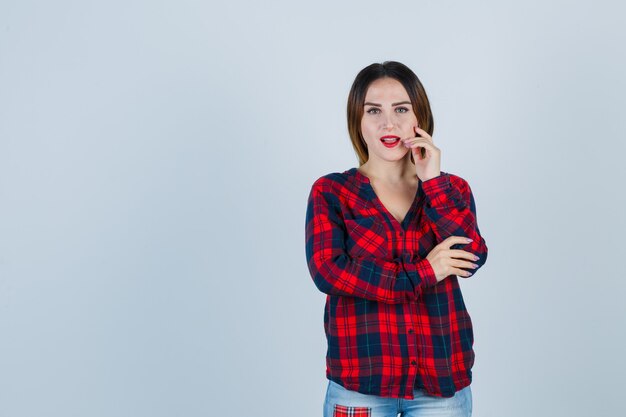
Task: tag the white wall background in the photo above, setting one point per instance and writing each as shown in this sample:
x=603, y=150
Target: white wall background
x=156, y=157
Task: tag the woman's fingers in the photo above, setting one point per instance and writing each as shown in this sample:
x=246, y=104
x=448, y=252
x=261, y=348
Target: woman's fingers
x=420, y=143
x=455, y=254
x=446, y=261
x=464, y=264
x=453, y=240
x=463, y=274
x=459, y=253
x=422, y=133
x=418, y=140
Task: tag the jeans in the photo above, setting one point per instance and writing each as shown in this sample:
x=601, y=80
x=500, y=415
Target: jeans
x=341, y=402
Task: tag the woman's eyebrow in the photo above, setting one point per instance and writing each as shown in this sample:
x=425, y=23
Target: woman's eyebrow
x=393, y=104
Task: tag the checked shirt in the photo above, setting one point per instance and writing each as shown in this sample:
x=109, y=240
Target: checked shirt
x=390, y=327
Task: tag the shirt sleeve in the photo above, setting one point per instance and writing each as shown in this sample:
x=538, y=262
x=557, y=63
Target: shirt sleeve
x=335, y=272
x=451, y=209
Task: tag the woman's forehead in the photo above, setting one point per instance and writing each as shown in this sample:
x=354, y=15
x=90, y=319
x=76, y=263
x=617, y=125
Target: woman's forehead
x=386, y=89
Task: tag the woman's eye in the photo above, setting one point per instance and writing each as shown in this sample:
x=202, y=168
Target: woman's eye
x=402, y=109
x=373, y=110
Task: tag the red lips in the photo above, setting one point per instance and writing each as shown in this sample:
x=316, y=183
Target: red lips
x=390, y=144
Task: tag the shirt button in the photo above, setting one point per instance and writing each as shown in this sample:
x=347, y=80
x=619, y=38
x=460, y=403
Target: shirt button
x=401, y=233
x=413, y=362
x=410, y=331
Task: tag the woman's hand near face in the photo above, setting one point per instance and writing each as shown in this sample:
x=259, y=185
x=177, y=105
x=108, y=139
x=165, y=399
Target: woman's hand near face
x=429, y=166
x=446, y=261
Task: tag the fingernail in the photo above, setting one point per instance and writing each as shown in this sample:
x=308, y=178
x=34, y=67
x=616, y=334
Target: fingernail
x=469, y=240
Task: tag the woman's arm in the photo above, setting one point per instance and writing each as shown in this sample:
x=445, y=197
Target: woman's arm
x=336, y=273
x=451, y=209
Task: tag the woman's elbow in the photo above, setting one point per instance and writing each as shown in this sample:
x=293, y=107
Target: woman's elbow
x=320, y=279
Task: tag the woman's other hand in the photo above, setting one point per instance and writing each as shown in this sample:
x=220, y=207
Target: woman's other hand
x=446, y=261
x=429, y=166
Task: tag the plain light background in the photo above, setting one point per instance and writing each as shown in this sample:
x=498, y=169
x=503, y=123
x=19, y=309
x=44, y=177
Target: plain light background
x=156, y=158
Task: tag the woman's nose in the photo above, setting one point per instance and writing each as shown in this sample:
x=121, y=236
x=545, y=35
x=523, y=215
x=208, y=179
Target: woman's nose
x=388, y=122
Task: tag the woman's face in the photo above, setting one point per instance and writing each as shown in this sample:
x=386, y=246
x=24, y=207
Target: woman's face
x=387, y=112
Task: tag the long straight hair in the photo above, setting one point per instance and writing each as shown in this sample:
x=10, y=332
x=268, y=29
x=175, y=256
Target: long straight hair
x=356, y=101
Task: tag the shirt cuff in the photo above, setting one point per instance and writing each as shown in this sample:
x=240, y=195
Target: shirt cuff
x=440, y=192
x=437, y=184
x=421, y=273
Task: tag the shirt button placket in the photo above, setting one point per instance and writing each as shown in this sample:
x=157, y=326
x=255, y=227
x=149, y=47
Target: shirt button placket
x=411, y=376
x=412, y=347
x=413, y=359
x=413, y=352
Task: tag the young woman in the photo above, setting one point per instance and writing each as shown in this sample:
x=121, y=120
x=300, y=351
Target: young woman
x=386, y=242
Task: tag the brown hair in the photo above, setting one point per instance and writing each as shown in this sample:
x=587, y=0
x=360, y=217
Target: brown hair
x=356, y=100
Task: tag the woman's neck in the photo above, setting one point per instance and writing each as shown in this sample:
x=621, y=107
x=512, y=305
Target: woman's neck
x=388, y=171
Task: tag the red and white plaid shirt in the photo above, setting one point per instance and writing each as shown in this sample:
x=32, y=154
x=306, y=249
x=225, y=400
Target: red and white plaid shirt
x=390, y=326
